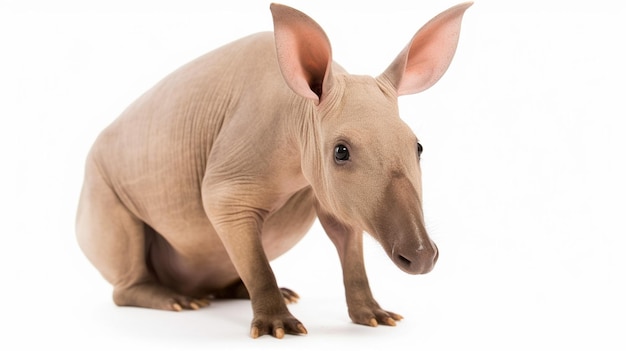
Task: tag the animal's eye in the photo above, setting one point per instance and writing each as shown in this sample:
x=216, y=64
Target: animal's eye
x=420, y=149
x=341, y=153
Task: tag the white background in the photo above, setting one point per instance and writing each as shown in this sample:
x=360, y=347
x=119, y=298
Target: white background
x=523, y=168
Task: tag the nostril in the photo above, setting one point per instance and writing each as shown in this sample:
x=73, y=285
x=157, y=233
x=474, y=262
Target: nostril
x=404, y=261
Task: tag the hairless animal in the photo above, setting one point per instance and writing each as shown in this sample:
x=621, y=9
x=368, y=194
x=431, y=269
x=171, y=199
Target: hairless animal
x=225, y=164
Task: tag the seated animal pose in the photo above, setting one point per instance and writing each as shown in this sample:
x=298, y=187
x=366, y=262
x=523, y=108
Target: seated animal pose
x=225, y=164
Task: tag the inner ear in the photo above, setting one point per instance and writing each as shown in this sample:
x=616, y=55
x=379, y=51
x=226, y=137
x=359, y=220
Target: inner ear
x=429, y=53
x=316, y=86
x=303, y=51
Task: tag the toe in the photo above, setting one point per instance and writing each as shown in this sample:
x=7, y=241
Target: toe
x=279, y=333
x=289, y=295
x=254, y=332
x=301, y=329
x=389, y=321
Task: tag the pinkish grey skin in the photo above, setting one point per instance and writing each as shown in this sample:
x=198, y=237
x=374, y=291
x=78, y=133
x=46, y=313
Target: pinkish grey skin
x=225, y=164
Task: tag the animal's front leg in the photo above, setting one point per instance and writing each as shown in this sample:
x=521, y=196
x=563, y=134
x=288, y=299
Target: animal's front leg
x=362, y=307
x=239, y=228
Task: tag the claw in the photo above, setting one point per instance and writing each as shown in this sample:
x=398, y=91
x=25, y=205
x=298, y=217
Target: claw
x=203, y=302
x=177, y=307
x=279, y=333
x=289, y=295
x=373, y=322
x=396, y=316
x=254, y=332
x=390, y=322
x=302, y=329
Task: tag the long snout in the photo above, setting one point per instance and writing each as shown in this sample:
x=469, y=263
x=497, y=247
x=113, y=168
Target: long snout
x=415, y=260
x=402, y=232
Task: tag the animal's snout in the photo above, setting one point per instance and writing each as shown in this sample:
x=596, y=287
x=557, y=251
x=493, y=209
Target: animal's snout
x=417, y=261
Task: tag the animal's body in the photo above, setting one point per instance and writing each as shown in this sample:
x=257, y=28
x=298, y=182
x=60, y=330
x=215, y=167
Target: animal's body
x=225, y=164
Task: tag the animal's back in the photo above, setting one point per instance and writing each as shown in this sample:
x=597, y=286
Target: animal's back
x=154, y=155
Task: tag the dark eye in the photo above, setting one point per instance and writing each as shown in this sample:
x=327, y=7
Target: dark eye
x=341, y=153
x=420, y=149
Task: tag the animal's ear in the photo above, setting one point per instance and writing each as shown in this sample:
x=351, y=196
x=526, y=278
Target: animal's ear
x=304, y=53
x=428, y=55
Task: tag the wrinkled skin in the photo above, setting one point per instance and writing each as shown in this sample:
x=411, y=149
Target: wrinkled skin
x=225, y=164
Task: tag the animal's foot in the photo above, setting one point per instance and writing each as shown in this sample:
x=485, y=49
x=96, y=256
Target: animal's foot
x=153, y=295
x=277, y=325
x=372, y=315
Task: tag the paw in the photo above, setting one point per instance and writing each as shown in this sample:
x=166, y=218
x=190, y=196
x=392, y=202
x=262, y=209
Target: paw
x=152, y=295
x=276, y=325
x=373, y=316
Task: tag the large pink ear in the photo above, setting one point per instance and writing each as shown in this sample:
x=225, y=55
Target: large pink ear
x=427, y=57
x=304, y=53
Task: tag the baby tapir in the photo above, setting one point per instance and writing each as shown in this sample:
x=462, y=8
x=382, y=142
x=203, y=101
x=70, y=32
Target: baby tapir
x=225, y=164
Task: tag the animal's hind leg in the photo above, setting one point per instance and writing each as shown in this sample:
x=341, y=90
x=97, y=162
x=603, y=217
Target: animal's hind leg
x=114, y=240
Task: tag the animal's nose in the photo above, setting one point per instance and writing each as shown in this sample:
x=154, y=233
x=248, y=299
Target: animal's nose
x=419, y=261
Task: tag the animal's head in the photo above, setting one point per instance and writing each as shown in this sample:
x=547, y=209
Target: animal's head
x=361, y=159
